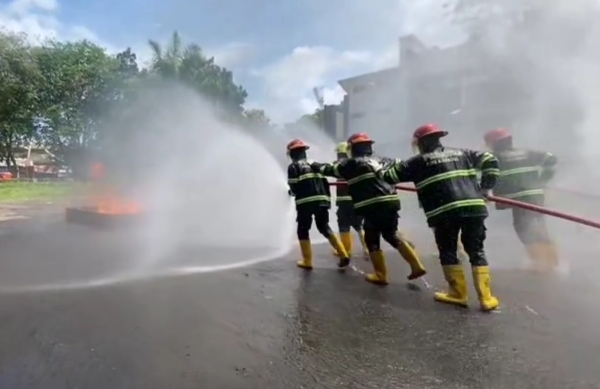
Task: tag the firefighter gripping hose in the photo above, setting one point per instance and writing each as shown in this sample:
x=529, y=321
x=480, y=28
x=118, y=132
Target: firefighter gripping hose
x=313, y=200
x=376, y=201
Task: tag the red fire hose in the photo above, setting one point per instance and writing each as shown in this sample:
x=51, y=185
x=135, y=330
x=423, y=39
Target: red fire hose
x=518, y=204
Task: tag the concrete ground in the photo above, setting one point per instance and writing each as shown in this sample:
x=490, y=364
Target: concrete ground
x=274, y=326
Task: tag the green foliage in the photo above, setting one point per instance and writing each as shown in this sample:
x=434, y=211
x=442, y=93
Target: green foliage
x=63, y=96
x=191, y=67
x=314, y=120
x=20, y=80
x=256, y=119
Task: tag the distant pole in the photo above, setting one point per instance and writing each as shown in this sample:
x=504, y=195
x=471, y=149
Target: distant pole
x=320, y=99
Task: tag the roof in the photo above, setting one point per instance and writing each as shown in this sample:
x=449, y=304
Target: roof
x=434, y=53
x=382, y=75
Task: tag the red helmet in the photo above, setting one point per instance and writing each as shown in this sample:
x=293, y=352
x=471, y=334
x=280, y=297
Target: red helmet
x=297, y=144
x=496, y=134
x=361, y=137
x=428, y=130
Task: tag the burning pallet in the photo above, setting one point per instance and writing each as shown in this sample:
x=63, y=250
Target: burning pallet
x=108, y=209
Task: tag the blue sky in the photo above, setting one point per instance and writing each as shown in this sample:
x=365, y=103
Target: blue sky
x=277, y=50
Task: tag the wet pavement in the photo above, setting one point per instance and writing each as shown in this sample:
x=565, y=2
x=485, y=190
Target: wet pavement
x=274, y=326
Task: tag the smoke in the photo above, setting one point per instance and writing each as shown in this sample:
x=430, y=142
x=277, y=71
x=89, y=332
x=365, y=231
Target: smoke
x=538, y=61
x=543, y=84
x=215, y=195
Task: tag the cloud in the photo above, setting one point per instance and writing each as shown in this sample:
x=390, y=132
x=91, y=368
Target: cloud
x=288, y=81
x=39, y=20
x=232, y=54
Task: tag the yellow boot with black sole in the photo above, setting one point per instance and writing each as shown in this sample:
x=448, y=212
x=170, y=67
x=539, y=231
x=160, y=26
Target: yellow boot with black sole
x=538, y=254
x=363, y=243
x=337, y=245
x=307, y=257
x=481, y=279
x=379, y=276
x=417, y=270
x=457, y=287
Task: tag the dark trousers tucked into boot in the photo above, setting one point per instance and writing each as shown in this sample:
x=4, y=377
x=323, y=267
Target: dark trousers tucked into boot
x=457, y=287
x=379, y=276
x=473, y=237
x=532, y=231
x=306, y=250
x=320, y=213
x=382, y=222
x=481, y=279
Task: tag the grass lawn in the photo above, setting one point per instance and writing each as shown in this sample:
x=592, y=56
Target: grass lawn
x=37, y=191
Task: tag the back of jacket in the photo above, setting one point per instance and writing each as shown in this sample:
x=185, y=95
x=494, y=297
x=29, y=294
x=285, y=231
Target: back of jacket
x=446, y=181
x=366, y=186
x=308, y=187
x=523, y=174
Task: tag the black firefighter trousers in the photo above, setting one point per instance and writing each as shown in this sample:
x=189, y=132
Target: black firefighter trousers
x=530, y=226
x=472, y=233
x=381, y=220
x=304, y=217
x=347, y=218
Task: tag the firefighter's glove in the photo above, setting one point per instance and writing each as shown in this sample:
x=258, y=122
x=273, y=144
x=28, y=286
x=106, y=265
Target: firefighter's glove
x=486, y=193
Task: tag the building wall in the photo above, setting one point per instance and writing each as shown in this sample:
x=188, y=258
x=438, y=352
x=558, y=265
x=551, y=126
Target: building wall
x=376, y=106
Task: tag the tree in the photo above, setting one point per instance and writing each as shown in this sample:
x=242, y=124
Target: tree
x=77, y=89
x=256, y=119
x=20, y=79
x=190, y=66
x=70, y=97
x=314, y=119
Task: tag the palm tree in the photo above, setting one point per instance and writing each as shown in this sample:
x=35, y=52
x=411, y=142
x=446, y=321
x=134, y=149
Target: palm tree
x=167, y=62
x=190, y=66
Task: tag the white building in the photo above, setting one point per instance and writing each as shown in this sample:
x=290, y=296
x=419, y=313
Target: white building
x=459, y=88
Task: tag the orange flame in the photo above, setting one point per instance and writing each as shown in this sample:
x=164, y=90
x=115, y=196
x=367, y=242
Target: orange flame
x=112, y=204
x=108, y=202
x=105, y=199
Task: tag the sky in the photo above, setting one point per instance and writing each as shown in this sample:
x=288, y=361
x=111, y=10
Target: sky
x=278, y=50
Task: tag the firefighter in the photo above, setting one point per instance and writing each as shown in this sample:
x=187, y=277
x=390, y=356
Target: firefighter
x=346, y=218
x=313, y=199
x=461, y=250
x=523, y=176
x=376, y=201
x=453, y=202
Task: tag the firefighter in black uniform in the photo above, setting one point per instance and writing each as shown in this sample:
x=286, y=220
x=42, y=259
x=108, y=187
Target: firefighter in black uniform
x=346, y=218
x=461, y=250
x=453, y=202
x=523, y=176
x=313, y=199
x=376, y=201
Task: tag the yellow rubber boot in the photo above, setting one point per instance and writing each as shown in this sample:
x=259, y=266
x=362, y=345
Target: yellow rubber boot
x=363, y=243
x=335, y=252
x=457, y=287
x=403, y=237
x=306, y=249
x=409, y=254
x=481, y=279
x=337, y=245
x=537, y=256
x=379, y=277
x=346, y=239
x=550, y=255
